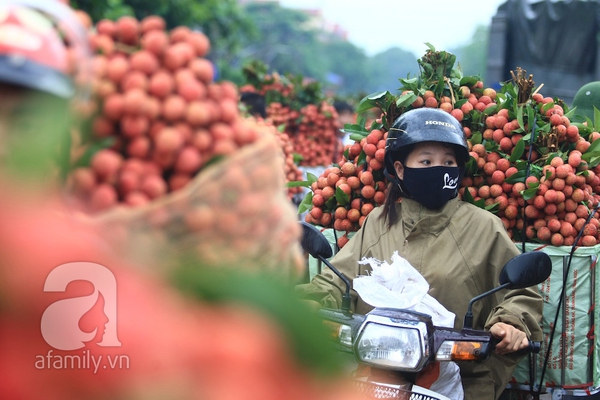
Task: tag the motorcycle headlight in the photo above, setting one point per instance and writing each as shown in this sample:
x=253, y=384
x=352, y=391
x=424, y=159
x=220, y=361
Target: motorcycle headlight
x=393, y=343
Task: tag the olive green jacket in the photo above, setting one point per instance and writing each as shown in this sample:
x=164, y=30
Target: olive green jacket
x=460, y=250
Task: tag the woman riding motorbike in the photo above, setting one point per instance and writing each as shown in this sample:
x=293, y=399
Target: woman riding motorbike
x=457, y=247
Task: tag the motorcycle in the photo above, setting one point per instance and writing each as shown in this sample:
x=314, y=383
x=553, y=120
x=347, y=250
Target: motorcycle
x=396, y=344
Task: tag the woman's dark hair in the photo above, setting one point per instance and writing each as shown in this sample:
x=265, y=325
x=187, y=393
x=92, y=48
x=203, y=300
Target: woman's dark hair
x=395, y=191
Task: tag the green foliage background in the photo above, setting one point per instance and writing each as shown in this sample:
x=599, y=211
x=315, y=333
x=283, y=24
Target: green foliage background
x=286, y=41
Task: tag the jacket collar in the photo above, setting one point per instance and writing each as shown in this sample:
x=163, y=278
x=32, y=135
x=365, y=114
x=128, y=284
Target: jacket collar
x=417, y=219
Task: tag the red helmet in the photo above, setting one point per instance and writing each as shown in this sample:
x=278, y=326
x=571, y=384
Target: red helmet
x=36, y=37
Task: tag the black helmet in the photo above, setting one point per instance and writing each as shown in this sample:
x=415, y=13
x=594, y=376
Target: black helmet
x=424, y=125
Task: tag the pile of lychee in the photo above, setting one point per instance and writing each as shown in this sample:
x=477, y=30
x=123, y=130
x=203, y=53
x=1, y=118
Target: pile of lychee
x=313, y=127
x=342, y=196
x=160, y=113
x=550, y=205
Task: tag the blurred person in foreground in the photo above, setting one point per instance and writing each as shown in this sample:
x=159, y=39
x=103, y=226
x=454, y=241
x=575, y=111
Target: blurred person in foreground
x=78, y=320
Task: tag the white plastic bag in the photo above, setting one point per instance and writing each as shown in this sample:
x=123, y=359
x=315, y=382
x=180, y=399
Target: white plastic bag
x=400, y=285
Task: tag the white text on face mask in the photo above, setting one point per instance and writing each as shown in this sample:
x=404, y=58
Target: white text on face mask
x=450, y=182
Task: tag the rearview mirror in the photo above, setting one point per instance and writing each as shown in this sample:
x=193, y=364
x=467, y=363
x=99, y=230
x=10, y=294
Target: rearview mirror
x=314, y=242
x=526, y=269
x=521, y=271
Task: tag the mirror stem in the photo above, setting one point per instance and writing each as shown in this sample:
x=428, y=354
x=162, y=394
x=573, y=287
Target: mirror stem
x=346, y=299
x=468, y=322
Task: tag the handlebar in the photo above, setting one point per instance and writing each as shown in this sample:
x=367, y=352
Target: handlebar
x=532, y=348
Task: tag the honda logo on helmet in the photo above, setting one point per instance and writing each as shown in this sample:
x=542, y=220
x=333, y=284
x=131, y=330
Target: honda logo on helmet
x=431, y=122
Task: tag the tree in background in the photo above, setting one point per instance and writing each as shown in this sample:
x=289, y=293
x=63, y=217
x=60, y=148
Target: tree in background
x=223, y=21
x=287, y=41
x=388, y=67
x=472, y=56
x=350, y=64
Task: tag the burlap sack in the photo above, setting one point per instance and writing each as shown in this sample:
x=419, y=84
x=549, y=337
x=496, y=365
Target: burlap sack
x=234, y=213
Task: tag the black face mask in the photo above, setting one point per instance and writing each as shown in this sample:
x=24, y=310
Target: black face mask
x=432, y=186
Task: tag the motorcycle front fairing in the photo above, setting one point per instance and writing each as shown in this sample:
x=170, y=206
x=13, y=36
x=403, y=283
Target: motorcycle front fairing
x=403, y=340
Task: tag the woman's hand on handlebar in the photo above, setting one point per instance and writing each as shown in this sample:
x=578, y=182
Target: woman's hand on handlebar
x=510, y=339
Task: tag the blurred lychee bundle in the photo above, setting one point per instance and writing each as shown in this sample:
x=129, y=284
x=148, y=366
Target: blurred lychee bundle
x=530, y=164
x=161, y=116
x=300, y=108
x=233, y=214
x=171, y=165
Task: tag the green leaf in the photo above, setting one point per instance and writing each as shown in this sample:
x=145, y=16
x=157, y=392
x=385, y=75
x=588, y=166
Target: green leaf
x=479, y=203
x=593, y=162
x=86, y=159
x=530, y=117
x=493, y=208
x=491, y=146
x=517, y=151
x=529, y=193
x=361, y=120
x=518, y=176
x=376, y=125
x=306, y=203
x=469, y=81
x=469, y=199
x=355, y=128
x=596, y=118
x=471, y=166
x=331, y=203
x=588, y=156
x=441, y=84
x=491, y=110
x=311, y=178
x=366, y=104
x=476, y=138
x=593, y=147
x=357, y=137
x=292, y=184
x=362, y=158
x=408, y=81
x=406, y=100
x=362, y=134
x=460, y=102
x=377, y=96
x=467, y=196
x=520, y=117
x=547, y=107
x=341, y=197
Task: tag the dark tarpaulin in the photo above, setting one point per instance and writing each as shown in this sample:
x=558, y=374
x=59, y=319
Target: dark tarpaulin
x=561, y=34
x=553, y=40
